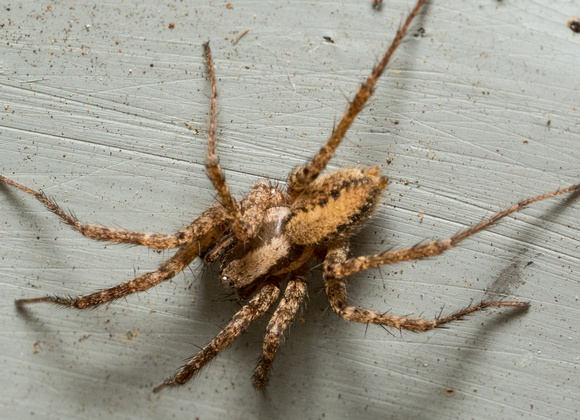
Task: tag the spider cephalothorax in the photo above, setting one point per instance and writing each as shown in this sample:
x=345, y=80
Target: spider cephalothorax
x=267, y=240
x=286, y=235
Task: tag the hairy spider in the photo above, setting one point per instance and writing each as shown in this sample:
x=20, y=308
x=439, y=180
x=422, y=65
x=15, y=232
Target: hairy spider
x=269, y=238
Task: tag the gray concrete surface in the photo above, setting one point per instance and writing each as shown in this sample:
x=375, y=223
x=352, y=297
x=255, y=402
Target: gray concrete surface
x=479, y=112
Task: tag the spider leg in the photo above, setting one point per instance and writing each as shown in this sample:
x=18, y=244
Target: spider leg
x=214, y=170
x=432, y=248
x=255, y=308
x=285, y=312
x=303, y=176
x=102, y=233
x=182, y=258
x=336, y=291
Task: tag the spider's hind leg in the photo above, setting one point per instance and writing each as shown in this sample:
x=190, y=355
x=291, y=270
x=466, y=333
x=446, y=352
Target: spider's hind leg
x=430, y=249
x=336, y=291
x=303, y=176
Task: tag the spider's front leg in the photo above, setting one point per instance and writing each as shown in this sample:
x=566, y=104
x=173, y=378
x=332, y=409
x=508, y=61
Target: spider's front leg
x=255, y=308
x=103, y=233
x=336, y=291
x=285, y=312
x=207, y=228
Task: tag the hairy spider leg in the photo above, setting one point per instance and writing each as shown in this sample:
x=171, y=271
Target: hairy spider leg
x=214, y=170
x=336, y=267
x=303, y=176
x=336, y=292
x=209, y=226
x=432, y=248
x=255, y=308
x=103, y=233
x=294, y=295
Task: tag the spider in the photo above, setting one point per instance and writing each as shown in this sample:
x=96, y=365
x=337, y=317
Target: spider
x=269, y=238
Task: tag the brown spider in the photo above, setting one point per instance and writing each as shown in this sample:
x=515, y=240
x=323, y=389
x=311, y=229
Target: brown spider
x=269, y=238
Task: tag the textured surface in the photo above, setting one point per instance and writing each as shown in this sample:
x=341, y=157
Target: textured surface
x=478, y=113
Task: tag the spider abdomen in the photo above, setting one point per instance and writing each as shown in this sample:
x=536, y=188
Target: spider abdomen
x=335, y=204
